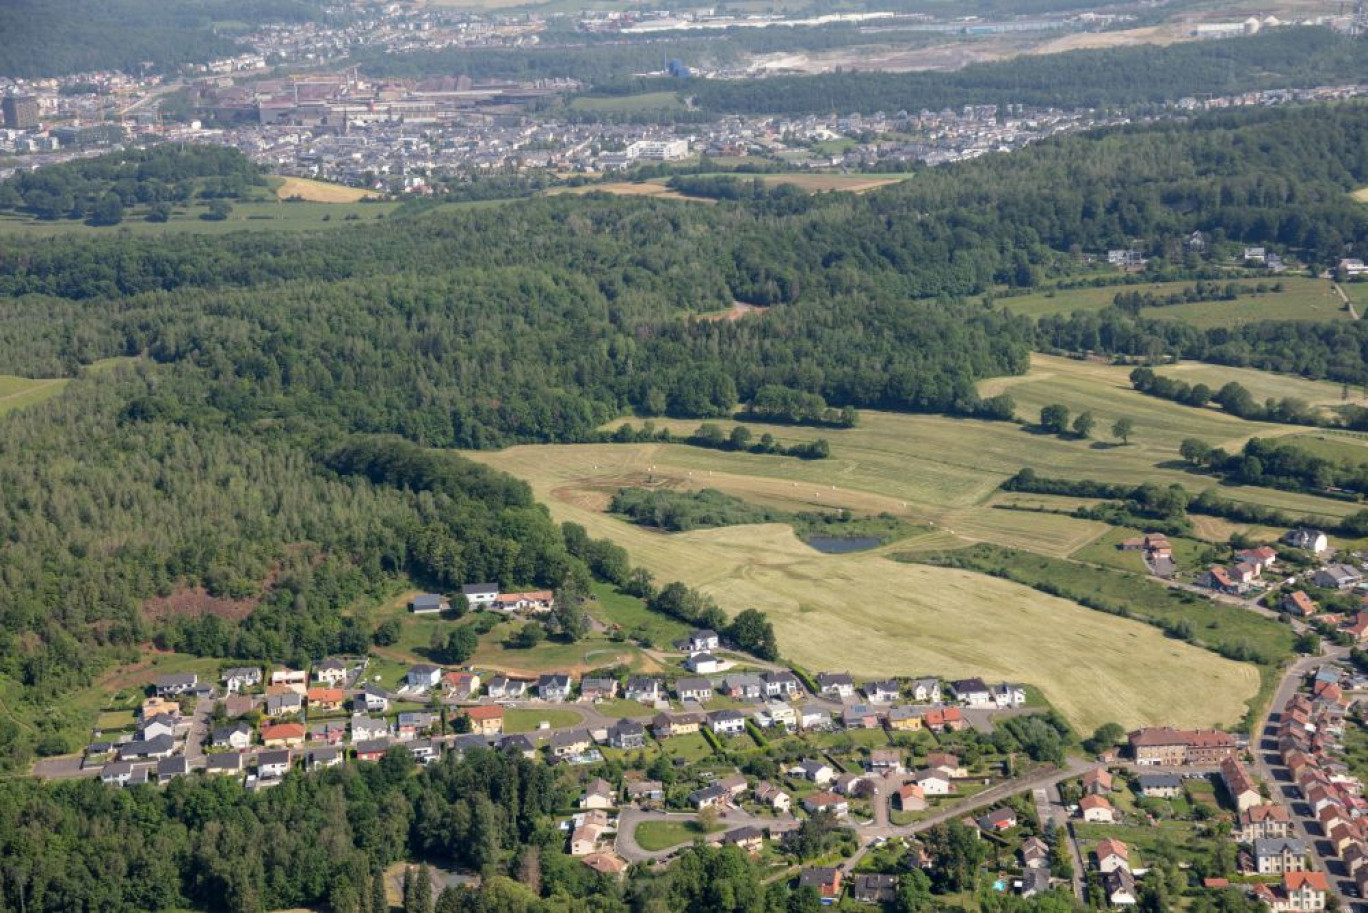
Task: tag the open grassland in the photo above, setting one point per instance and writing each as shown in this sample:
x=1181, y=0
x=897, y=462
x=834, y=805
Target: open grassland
x=17, y=392
x=1264, y=385
x=254, y=216
x=812, y=182
x=1340, y=446
x=1301, y=299
x=644, y=101
x=319, y=191
x=878, y=617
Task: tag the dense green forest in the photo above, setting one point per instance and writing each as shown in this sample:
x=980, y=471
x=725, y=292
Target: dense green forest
x=58, y=37
x=681, y=511
x=101, y=188
x=1115, y=77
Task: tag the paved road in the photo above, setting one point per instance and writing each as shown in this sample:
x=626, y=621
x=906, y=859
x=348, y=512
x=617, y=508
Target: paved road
x=1050, y=806
x=1268, y=765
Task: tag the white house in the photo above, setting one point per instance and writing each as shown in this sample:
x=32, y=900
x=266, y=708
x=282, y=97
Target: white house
x=1096, y=808
x=285, y=676
x=331, y=672
x=703, y=641
x=240, y=677
x=272, y=765
x=836, y=684
x=703, y=664
x=374, y=699
x=423, y=676
x=1312, y=540
x=1008, y=695
x=818, y=772
x=480, y=594
x=926, y=691
x=933, y=782
x=727, y=722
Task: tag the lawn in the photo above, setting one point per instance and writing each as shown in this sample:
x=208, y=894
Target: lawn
x=1186, y=552
x=1343, y=446
x=653, y=836
x=530, y=719
x=613, y=607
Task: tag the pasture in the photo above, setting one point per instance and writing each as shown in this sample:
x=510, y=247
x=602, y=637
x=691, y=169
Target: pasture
x=1263, y=385
x=812, y=182
x=642, y=101
x=266, y=215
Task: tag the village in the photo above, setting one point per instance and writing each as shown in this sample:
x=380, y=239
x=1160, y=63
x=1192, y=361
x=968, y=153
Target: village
x=790, y=766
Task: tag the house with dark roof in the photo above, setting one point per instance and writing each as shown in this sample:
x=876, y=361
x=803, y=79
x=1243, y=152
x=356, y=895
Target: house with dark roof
x=428, y=604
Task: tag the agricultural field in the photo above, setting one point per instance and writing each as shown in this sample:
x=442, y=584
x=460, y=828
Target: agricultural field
x=812, y=182
x=1341, y=446
x=318, y=191
x=1302, y=299
x=1264, y=385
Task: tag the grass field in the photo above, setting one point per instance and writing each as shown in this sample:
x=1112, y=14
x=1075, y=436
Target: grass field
x=661, y=835
x=1262, y=384
x=644, y=101
x=318, y=191
x=874, y=617
x=17, y=392
x=1345, y=446
x=530, y=720
x=812, y=182
x=1302, y=299
x=254, y=216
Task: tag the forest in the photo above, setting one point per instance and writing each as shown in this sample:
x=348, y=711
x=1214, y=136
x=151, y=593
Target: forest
x=1139, y=76
x=47, y=38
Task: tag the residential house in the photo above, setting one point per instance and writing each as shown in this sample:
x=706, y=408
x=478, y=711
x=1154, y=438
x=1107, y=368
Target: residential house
x=503, y=688
x=1035, y=853
x=169, y=769
x=1218, y=578
x=1119, y=887
x=462, y=686
x=814, y=716
x=598, y=689
x=874, y=889
x=1298, y=891
x=374, y=699
x=727, y=722
x=1112, y=854
x=831, y=803
x=429, y=604
x=850, y=784
x=735, y=785
x=597, y=794
x=179, y=683
x=1265, y=556
x=1097, y=781
x=571, y=743
x=240, y=678
x=751, y=839
x=160, y=706
x=517, y=744
x=949, y=763
x=666, y=725
x=1264, y=822
x=423, y=676
x=371, y=749
x=479, y=595
x=364, y=729
x=694, y=689
x=1299, y=604
x=882, y=692
x=157, y=725
x=1337, y=576
x=904, y=719
x=826, y=880
x=1007, y=695
x=1166, y=747
x=885, y=761
x=644, y=690
x=778, y=713
x=1239, y=784
x=530, y=601
x=282, y=735
x=487, y=720
x=1160, y=786
x=584, y=840
x=332, y=732
x=554, y=688
x=972, y=692
x=836, y=685
x=997, y=821
x=744, y=687
x=284, y=704
x=925, y=690
x=230, y=763
x=154, y=749
x=703, y=664
x=236, y=737
x=818, y=772
x=628, y=735
x=947, y=719
x=326, y=700
x=287, y=676
x=412, y=724
x=645, y=792
x=910, y=798
x=1274, y=856
x=1312, y=540
x=709, y=797
x=859, y=716
x=272, y=765
x=781, y=684
x=327, y=756
x=117, y=774
x=330, y=672
x=1096, y=808
x=702, y=641
x=768, y=794
x=934, y=782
